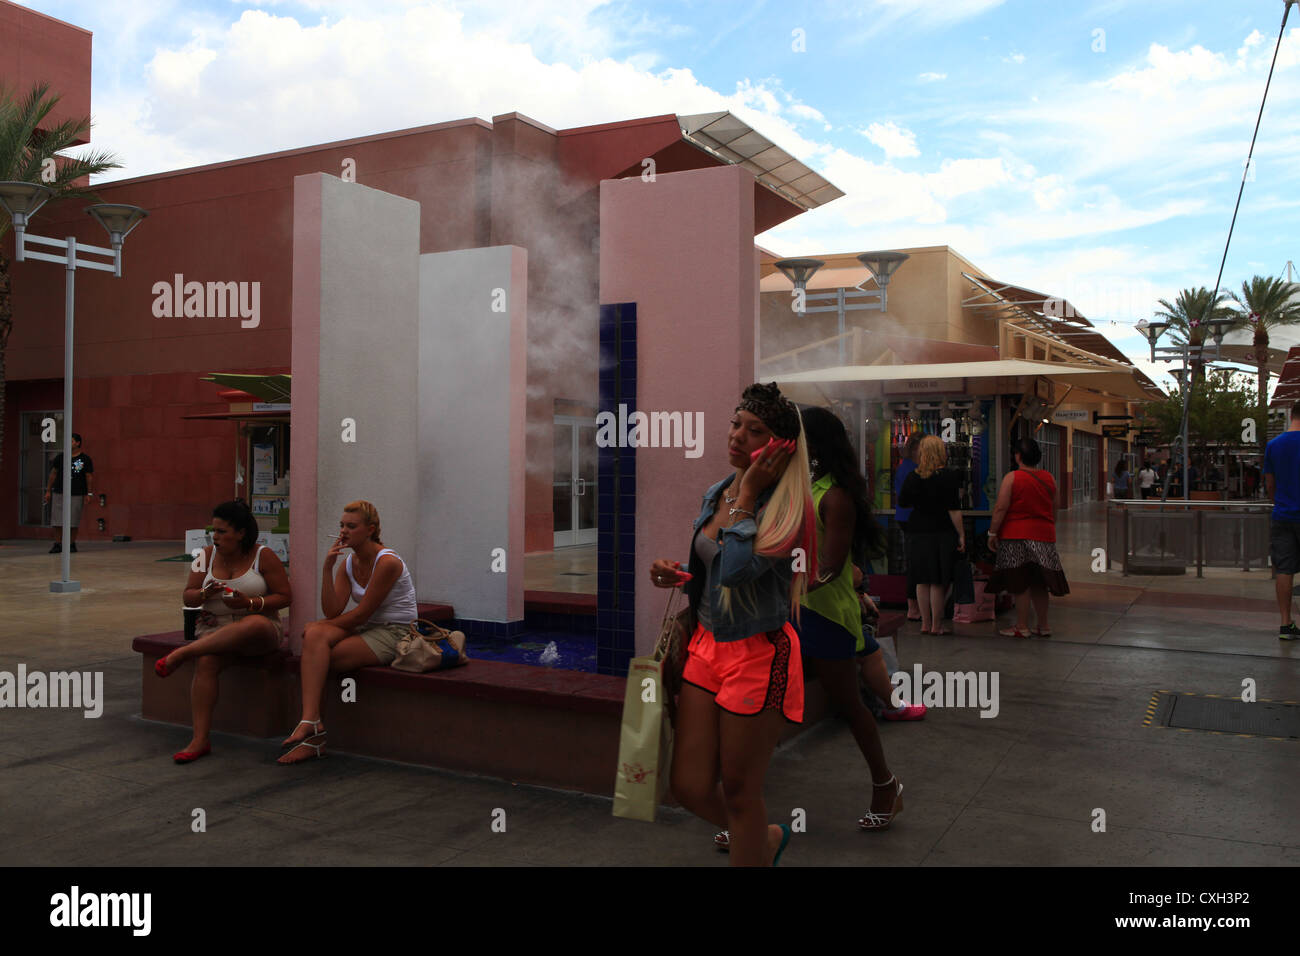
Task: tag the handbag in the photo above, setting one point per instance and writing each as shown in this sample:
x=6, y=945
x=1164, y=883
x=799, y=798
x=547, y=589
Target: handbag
x=645, y=745
x=428, y=647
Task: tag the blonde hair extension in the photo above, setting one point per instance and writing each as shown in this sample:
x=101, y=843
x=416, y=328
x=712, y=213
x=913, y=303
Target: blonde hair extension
x=787, y=521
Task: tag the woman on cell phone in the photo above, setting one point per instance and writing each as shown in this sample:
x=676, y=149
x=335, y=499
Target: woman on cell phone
x=242, y=586
x=743, y=676
x=366, y=636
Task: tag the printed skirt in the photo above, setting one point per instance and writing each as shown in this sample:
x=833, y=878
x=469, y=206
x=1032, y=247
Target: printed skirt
x=1023, y=564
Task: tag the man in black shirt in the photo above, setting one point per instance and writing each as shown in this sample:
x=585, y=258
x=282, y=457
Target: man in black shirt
x=82, y=471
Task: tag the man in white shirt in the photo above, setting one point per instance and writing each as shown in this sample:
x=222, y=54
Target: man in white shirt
x=1147, y=480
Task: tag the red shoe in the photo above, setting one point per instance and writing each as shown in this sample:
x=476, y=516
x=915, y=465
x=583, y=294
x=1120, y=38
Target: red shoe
x=189, y=756
x=906, y=712
x=160, y=667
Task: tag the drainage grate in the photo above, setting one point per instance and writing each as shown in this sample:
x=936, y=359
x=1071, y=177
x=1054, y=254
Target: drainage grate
x=1278, y=720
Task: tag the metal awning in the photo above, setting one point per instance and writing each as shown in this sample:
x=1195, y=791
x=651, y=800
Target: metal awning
x=848, y=380
x=735, y=142
x=239, y=416
x=269, y=388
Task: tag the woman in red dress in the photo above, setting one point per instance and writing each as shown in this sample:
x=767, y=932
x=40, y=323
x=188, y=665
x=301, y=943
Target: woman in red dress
x=1023, y=530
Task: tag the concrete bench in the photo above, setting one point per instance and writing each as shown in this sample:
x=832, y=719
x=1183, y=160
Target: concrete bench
x=518, y=722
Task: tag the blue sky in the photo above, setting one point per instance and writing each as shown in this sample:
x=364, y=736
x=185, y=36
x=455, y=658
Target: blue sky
x=1089, y=149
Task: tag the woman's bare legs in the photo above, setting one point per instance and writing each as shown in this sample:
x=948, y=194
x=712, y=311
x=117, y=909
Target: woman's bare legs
x=1022, y=612
x=840, y=678
x=876, y=674
x=745, y=746
x=926, y=608
x=705, y=732
x=324, y=648
x=245, y=636
x=1039, y=597
x=249, y=637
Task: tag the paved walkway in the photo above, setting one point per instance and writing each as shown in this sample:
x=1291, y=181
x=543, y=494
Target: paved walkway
x=1021, y=788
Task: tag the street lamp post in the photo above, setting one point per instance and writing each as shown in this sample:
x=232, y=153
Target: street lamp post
x=1187, y=353
x=22, y=200
x=881, y=265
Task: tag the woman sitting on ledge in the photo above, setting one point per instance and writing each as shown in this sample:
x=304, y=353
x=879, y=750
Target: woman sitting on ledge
x=378, y=580
x=242, y=588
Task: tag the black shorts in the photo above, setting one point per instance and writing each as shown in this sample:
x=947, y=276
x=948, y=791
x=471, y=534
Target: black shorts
x=1284, y=546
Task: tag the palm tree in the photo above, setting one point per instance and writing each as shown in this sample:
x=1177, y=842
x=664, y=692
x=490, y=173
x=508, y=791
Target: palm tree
x=1268, y=303
x=29, y=153
x=1187, y=316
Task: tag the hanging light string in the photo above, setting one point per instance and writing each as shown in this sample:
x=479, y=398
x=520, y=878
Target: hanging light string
x=1191, y=383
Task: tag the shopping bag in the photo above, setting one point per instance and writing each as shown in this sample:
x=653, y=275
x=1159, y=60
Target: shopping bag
x=981, y=609
x=645, y=746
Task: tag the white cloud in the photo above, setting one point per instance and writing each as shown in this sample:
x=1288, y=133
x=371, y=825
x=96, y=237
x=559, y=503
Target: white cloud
x=931, y=77
x=804, y=111
x=897, y=142
x=1014, y=58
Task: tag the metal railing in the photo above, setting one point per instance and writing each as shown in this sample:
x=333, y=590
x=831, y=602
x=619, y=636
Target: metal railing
x=1168, y=537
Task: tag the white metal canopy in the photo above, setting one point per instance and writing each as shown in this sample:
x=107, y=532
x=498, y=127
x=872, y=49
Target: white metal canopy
x=734, y=141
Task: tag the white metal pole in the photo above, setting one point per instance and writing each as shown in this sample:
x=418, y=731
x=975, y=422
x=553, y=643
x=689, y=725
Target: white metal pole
x=67, y=584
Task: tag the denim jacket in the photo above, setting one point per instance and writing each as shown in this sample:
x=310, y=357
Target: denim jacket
x=761, y=599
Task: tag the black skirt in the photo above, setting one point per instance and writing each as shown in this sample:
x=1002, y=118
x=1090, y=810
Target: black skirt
x=930, y=557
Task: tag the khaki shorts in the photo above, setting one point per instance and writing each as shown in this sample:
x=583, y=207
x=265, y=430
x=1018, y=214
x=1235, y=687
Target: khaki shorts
x=208, y=622
x=383, y=638
x=56, y=516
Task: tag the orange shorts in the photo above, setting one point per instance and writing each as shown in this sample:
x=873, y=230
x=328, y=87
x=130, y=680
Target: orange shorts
x=747, y=677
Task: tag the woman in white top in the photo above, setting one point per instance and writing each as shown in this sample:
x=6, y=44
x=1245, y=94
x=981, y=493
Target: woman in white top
x=366, y=636
x=242, y=586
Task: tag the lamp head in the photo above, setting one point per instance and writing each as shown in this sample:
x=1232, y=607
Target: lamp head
x=1152, y=330
x=1218, y=328
x=799, y=271
x=21, y=200
x=118, y=219
x=882, y=265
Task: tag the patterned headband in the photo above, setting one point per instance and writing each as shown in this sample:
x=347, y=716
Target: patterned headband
x=776, y=411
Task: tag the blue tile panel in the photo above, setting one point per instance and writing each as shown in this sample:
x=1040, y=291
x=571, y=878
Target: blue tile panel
x=616, y=497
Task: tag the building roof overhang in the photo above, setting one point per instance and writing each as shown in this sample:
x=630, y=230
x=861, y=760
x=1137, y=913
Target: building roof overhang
x=736, y=143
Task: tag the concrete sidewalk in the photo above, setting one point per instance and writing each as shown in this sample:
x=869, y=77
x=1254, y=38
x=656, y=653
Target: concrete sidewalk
x=1021, y=788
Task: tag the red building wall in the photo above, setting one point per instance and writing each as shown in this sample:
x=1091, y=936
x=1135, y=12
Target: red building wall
x=509, y=181
x=35, y=48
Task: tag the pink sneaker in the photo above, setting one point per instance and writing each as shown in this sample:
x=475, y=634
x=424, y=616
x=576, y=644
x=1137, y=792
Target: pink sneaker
x=906, y=712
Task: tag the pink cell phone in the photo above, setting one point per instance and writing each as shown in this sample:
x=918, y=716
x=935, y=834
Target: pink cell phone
x=753, y=456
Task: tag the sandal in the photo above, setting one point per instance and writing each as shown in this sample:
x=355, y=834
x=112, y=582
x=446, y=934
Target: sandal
x=881, y=821
x=305, y=742
x=722, y=840
x=1039, y=632
x=1012, y=632
x=160, y=667
x=290, y=742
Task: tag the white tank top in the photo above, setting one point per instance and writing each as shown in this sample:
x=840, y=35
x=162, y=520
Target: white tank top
x=399, y=607
x=251, y=584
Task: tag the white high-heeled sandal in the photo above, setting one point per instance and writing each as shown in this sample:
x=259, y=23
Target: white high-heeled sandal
x=881, y=821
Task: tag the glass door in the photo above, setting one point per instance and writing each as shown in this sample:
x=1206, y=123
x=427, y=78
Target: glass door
x=573, y=485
